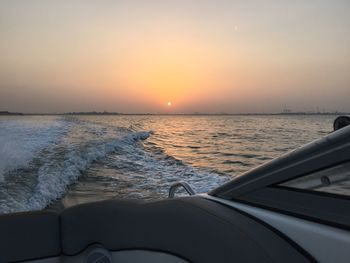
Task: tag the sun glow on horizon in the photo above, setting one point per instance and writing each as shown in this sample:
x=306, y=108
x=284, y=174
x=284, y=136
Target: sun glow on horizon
x=201, y=55
x=169, y=67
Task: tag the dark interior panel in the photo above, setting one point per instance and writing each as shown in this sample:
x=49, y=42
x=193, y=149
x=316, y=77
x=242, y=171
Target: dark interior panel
x=32, y=235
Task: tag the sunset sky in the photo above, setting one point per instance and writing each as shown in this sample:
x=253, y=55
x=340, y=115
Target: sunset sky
x=202, y=56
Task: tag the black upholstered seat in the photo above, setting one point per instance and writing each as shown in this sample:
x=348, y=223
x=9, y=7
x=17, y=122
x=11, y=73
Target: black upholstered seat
x=29, y=235
x=195, y=229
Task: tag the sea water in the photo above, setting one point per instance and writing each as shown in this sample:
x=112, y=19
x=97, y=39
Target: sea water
x=67, y=160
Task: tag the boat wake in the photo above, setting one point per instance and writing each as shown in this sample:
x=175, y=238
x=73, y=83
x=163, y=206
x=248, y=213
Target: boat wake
x=69, y=156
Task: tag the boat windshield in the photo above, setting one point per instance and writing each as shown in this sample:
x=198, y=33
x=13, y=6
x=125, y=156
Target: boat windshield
x=334, y=180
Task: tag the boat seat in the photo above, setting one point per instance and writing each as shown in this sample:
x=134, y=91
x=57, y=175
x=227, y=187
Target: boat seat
x=29, y=236
x=191, y=229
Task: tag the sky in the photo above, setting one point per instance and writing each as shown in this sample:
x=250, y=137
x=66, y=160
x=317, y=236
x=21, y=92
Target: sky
x=202, y=56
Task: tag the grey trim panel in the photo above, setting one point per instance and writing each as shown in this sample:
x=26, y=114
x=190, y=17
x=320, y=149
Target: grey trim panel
x=324, y=243
x=44, y=260
x=128, y=256
x=141, y=256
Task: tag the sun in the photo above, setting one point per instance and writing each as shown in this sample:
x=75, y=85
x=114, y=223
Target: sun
x=169, y=104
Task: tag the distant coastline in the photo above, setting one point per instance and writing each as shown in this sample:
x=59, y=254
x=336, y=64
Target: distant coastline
x=105, y=113
x=10, y=113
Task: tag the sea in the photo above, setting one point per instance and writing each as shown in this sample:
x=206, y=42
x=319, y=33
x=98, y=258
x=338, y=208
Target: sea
x=64, y=160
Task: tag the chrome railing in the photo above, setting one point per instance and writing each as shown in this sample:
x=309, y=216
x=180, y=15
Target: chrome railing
x=177, y=185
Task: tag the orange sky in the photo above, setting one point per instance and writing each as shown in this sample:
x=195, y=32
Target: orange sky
x=203, y=56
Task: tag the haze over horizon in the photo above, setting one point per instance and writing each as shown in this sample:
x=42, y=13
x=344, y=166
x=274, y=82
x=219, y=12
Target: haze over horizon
x=199, y=56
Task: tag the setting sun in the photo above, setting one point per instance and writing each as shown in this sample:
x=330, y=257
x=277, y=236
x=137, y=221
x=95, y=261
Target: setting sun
x=206, y=56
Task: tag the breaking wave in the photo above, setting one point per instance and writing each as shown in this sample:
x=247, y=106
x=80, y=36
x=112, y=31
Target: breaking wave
x=69, y=160
x=48, y=176
x=20, y=140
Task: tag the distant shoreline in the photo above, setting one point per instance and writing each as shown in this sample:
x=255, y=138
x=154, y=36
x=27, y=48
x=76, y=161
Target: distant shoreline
x=7, y=113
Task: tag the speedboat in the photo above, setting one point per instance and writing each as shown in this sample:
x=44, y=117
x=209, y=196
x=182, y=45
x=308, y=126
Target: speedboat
x=295, y=208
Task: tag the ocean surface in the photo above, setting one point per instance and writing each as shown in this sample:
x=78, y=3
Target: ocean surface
x=60, y=161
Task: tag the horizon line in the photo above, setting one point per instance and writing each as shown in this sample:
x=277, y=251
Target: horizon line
x=4, y=113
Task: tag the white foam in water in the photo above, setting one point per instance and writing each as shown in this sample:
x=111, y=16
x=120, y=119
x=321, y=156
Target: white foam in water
x=20, y=140
x=157, y=171
x=62, y=156
x=62, y=165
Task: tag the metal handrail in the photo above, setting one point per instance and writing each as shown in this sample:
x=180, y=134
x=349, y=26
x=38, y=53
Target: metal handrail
x=177, y=185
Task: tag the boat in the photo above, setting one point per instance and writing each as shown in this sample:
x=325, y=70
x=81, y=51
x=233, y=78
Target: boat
x=295, y=208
